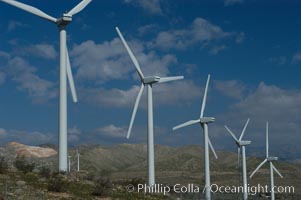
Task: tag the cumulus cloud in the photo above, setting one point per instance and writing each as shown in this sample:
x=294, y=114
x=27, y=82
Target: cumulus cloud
x=280, y=107
x=215, y=50
x=2, y=78
x=12, y=25
x=110, y=60
x=281, y=60
x=3, y=133
x=164, y=94
x=74, y=134
x=152, y=6
x=38, y=89
x=232, y=2
x=26, y=137
x=230, y=88
x=112, y=131
x=296, y=58
x=42, y=50
x=200, y=32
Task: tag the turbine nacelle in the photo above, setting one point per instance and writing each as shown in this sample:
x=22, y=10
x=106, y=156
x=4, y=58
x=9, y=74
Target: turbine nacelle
x=64, y=20
x=272, y=159
x=150, y=79
x=207, y=120
x=243, y=143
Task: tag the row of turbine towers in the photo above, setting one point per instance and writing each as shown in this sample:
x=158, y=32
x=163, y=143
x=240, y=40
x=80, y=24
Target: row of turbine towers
x=203, y=121
x=146, y=81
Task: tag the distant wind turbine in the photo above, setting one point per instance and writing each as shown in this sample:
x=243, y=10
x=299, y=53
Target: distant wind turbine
x=69, y=164
x=65, y=70
x=77, y=154
x=147, y=81
x=272, y=167
x=242, y=144
x=203, y=121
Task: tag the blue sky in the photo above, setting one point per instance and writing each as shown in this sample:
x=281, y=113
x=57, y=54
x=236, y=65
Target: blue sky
x=250, y=48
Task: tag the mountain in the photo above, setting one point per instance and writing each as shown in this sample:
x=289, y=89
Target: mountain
x=18, y=149
x=173, y=164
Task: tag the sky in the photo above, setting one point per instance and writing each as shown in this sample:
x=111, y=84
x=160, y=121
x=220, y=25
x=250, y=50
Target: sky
x=251, y=48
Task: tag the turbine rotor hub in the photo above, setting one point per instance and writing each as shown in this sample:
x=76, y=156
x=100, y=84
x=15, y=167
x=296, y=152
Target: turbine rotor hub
x=207, y=120
x=151, y=79
x=64, y=20
x=244, y=143
x=272, y=158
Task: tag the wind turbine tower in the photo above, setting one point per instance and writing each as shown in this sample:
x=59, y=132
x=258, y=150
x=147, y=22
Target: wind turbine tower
x=77, y=154
x=272, y=166
x=204, y=121
x=69, y=163
x=65, y=69
x=147, y=81
x=241, y=144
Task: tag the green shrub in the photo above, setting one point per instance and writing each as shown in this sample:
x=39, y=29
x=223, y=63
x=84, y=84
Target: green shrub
x=44, y=172
x=3, y=165
x=102, y=186
x=23, y=165
x=56, y=183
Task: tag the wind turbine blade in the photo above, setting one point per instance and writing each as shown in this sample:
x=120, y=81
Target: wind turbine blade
x=70, y=78
x=186, y=124
x=205, y=97
x=238, y=156
x=262, y=163
x=171, y=78
x=30, y=9
x=232, y=134
x=212, y=149
x=130, y=53
x=276, y=170
x=79, y=7
x=267, y=140
x=135, y=110
x=243, y=131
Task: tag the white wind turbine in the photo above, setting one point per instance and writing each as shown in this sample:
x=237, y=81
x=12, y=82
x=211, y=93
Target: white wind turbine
x=77, y=154
x=203, y=121
x=69, y=163
x=272, y=167
x=65, y=70
x=242, y=144
x=147, y=81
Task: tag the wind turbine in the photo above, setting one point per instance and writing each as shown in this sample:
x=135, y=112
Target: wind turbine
x=272, y=167
x=69, y=163
x=65, y=69
x=147, y=81
x=77, y=154
x=203, y=121
x=242, y=144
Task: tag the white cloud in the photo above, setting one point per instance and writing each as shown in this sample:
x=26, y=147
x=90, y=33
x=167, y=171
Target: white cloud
x=296, y=58
x=281, y=60
x=110, y=60
x=12, y=25
x=2, y=78
x=112, y=131
x=3, y=133
x=38, y=89
x=152, y=6
x=232, y=2
x=42, y=50
x=164, y=94
x=200, y=32
x=215, y=50
x=74, y=134
x=26, y=137
x=231, y=88
x=280, y=107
